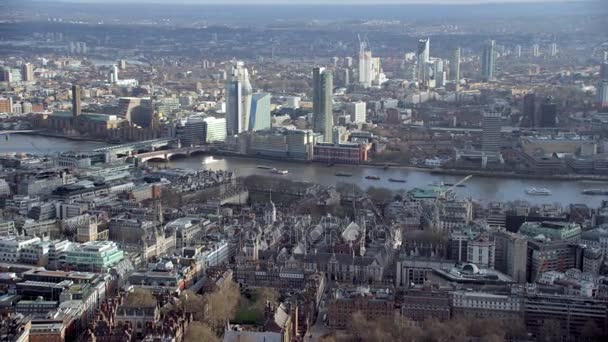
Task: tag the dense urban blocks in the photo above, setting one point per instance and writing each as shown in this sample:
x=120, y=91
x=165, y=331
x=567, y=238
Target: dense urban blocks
x=402, y=172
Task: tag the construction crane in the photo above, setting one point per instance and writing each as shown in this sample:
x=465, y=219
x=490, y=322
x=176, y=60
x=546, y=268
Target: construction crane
x=363, y=42
x=444, y=192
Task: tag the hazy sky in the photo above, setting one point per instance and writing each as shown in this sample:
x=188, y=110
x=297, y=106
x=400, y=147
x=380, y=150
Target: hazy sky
x=349, y=2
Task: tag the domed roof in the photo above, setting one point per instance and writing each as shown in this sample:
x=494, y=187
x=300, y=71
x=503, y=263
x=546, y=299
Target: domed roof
x=470, y=268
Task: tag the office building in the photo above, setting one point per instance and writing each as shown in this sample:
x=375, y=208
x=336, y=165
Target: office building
x=10, y=75
x=343, y=77
x=5, y=189
x=122, y=64
x=572, y=314
x=365, y=65
x=284, y=143
x=518, y=51
x=604, y=71
x=268, y=143
x=488, y=61
x=17, y=108
x=455, y=65
x=378, y=77
x=529, y=110
x=299, y=144
x=535, y=50
x=113, y=75
x=490, y=137
x=345, y=153
x=76, y=92
x=602, y=95
x=27, y=72
x=423, y=304
x=143, y=115
x=215, y=129
x=544, y=256
x=7, y=228
x=186, y=229
x=5, y=74
x=357, y=111
x=593, y=259
x=323, y=121
x=552, y=230
x=422, y=59
x=482, y=305
x=138, y=111
x=6, y=104
x=26, y=107
x=259, y=115
x=553, y=49
x=193, y=131
x=12, y=248
x=511, y=255
x=238, y=99
x=293, y=102
x=547, y=113
x=348, y=62
x=94, y=256
x=371, y=303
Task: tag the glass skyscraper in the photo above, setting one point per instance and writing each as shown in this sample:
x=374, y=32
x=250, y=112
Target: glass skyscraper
x=488, y=61
x=323, y=121
x=238, y=99
x=259, y=115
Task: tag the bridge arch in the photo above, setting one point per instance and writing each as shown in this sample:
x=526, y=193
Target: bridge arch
x=198, y=152
x=178, y=155
x=155, y=159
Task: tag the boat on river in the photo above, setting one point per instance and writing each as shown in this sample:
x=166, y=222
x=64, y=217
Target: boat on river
x=538, y=191
x=595, y=192
x=372, y=177
x=396, y=180
x=343, y=174
x=279, y=172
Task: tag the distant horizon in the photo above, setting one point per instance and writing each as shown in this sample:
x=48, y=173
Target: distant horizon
x=320, y=2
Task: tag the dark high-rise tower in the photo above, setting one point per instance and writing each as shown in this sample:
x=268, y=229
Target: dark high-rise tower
x=323, y=121
x=27, y=72
x=529, y=110
x=548, y=113
x=455, y=65
x=488, y=61
x=75, y=100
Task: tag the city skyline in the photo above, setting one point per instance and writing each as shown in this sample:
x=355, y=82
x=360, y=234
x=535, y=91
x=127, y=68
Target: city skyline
x=327, y=2
x=323, y=170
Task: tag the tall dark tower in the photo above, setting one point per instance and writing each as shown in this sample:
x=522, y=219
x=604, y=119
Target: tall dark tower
x=75, y=100
x=548, y=113
x=529, y=111
x=488, y=61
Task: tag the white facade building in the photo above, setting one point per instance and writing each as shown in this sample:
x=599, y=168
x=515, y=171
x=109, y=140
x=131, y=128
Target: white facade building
x=365, y=66
x=11, y=247
x=357, y=111
x=215, y=129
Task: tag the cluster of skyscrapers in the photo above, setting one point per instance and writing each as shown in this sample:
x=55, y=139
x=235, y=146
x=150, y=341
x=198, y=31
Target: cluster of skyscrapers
x=245, y=111
x=370, y=69
x=434, y=72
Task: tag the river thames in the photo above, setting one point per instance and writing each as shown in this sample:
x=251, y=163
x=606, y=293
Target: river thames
x=484, y=189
